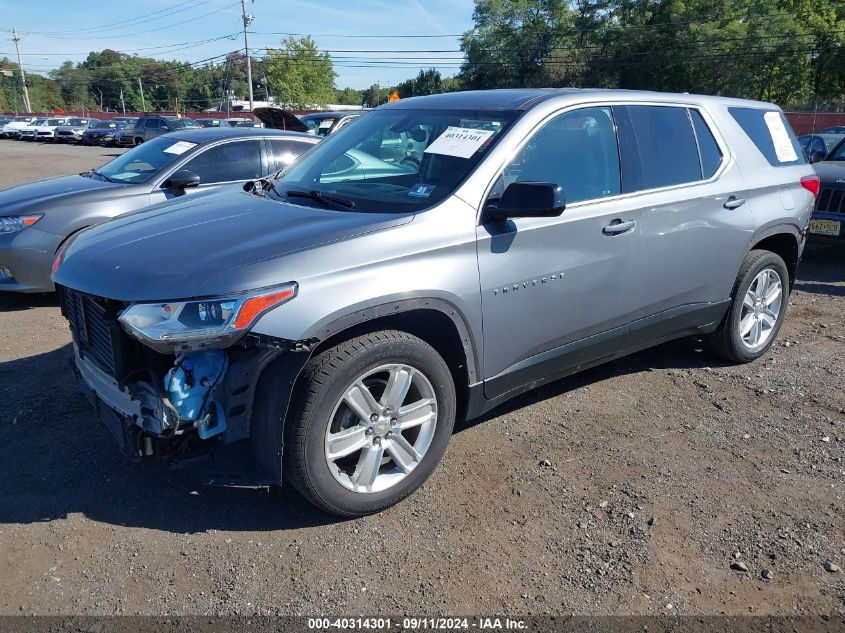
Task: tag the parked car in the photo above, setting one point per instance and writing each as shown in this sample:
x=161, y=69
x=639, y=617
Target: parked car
x=102, y=133
x=230, y=122
x=11, y=129
x=149, y=127
x=836, y=129
x=126, y=134
x=325, y=123
x=332, y=323
x=829, y=215
x=71, y=132
x=28, y=131
x=817, y=146
x=47, y=130
x=38, y=217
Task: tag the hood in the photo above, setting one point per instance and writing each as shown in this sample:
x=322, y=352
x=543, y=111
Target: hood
x=279, y=119
x=831, y=172
x=175, y=250
x=35, y=195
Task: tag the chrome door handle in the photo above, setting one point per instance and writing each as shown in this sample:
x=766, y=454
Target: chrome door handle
x=734, y=203
x=618, y=226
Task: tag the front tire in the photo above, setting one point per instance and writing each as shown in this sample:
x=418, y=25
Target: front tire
x=371, y=420
x=757, y=311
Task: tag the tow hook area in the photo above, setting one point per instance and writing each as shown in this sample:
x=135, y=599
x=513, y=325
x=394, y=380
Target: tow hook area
x=189, y=386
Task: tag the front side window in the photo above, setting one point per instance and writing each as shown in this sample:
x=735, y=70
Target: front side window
x=143, y=162
x=239, y=160
x=666, y=144
x=576, y=150
x=394, y=160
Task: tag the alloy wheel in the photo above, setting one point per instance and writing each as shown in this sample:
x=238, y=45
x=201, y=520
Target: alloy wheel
x=381, y=428
x=761, y=308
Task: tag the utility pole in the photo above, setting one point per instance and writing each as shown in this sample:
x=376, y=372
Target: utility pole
x=141, y=88
x=26, y=103
x=247, y=21
x=122, y=102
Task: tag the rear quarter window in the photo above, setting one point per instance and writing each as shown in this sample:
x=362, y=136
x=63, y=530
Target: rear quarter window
x=771, y=134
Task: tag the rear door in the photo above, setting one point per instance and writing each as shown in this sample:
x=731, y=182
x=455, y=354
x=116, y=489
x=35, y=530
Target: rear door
x=283, y=152
x=695, y=224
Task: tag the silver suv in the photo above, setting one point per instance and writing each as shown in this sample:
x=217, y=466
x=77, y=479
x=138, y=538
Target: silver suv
x=428, y=262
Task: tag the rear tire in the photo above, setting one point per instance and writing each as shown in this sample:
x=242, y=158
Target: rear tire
x=369, y=423
x=758, y=307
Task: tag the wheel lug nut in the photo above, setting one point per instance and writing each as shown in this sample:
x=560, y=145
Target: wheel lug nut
x=374, y=418
x=393, y=421
x=389, y=435
x=376, y=441
x=369, y=431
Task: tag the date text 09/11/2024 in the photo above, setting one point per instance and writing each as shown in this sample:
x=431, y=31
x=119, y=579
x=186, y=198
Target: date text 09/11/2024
x=417, y=624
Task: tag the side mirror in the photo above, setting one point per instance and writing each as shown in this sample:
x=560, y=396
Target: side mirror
x=182, y=179
x=817, y=156
x=529, y=200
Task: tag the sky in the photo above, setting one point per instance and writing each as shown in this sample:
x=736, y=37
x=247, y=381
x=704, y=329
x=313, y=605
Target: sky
x=371, y=41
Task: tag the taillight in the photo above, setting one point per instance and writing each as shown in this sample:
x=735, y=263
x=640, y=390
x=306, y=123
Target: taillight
x=812, y=184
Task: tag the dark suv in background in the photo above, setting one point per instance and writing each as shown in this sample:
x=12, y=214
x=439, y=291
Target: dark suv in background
x=149, y=127
x=829, y=215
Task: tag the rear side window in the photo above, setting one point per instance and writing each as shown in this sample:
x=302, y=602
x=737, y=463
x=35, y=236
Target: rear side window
x=711, y=156
x=666, y=143
x=770, y=132
x=286, y=152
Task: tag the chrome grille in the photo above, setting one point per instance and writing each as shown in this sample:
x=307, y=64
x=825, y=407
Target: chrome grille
x=831, y=200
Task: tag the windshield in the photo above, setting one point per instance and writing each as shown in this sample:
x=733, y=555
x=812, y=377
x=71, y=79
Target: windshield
x=394, y=161
x=178, y=124
x=104, y=124
x=54, y=122
x=143, y=162
x=838, y=153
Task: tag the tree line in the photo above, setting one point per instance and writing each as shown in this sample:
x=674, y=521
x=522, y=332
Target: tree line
x=791, y=52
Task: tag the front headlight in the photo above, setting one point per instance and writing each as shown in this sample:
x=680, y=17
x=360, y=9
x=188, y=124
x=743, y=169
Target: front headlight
x=15, y=223
x=172, y=326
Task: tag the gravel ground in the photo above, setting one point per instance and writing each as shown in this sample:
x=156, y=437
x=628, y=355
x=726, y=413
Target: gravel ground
x=666, y=482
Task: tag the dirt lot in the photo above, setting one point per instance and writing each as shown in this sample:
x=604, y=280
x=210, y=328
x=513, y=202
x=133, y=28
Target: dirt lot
x=631, y=488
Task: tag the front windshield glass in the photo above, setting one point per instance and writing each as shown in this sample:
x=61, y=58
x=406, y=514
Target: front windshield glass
x=143, y=162
x=838, y=152
x=75, y=122
x=54, y=122
x=105, y=124
x=178, y=124
x=393, y=161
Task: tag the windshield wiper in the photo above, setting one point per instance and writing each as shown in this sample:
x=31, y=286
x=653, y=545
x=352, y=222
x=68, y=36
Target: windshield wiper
x=326, y=198
x=102, y=175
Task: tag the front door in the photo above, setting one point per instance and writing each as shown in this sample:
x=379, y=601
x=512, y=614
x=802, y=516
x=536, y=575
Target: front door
x=227, y=163
x=555, y=291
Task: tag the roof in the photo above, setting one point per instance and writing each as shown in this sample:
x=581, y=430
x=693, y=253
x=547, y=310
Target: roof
x=332, y=115
x=206, y=134
x=524, y=98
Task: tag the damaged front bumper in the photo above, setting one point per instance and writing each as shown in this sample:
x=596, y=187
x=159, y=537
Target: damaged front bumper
x=200, y=415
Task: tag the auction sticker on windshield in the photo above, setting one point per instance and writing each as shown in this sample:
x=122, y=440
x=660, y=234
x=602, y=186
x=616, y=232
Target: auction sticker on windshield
x=459, y=141
x=180, y=147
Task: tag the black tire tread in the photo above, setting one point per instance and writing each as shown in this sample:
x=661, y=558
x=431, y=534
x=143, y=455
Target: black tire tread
x=720, y=342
